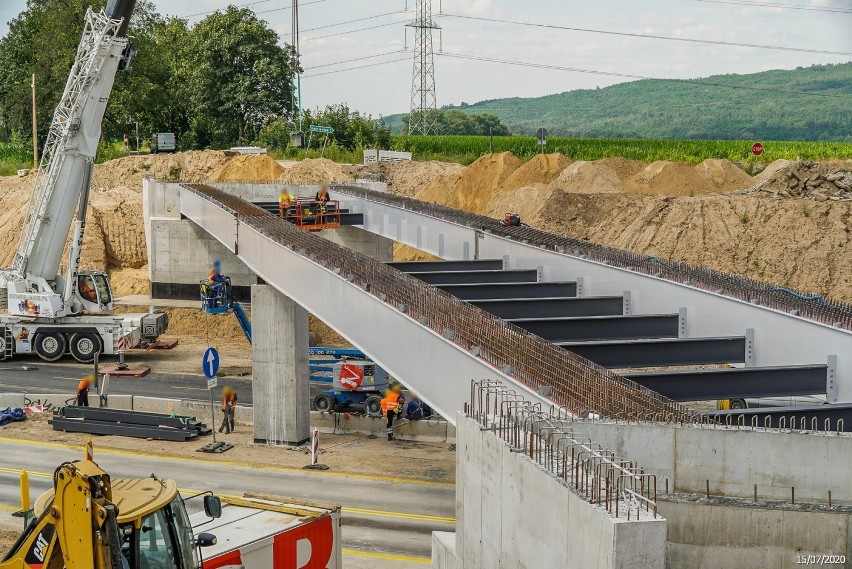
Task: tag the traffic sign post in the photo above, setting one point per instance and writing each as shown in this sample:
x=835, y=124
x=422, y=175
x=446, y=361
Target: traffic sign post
x=210, y=365
x=757, y=149
x=319, y=128
x=326, y=130
x=541, y=135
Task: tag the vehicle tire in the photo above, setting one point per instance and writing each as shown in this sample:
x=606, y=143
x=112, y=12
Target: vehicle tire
x=738, y=404
x=5, y=337
x=50, y=347
x=373, y=406
x=84, y=347
x=324, y=403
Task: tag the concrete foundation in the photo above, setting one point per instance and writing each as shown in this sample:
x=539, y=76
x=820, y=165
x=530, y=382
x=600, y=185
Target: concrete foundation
x=511, y=513
x=280, y=375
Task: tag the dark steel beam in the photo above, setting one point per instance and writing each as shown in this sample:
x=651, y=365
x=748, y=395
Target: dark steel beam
x=121, y=429
x=811, y=417
x=602, y=327
x=132, y=417
x=477, y=277
x=510, y=290
x=735, y=383
x=445, y=266
x=553, y=307
x=660, y=352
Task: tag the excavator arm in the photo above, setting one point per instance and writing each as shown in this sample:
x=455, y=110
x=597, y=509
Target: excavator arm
x=78, y=530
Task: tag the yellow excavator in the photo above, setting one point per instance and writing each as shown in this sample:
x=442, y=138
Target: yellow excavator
x=88, y=522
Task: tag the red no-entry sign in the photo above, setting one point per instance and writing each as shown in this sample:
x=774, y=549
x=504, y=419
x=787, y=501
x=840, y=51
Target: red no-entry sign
x=757, y=148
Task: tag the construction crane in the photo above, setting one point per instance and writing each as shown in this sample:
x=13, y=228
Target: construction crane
x=46, y=312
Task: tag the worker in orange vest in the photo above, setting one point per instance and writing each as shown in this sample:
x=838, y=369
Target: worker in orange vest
x=229, y=408
x=392, y=405
x=83, y=390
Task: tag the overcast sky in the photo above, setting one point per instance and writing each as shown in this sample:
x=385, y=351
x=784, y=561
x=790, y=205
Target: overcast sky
x=385, y=89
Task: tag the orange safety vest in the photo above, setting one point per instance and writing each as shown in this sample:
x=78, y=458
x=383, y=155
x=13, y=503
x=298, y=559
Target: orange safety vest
x=390, y=403
x=83, y=386
x=229, y=400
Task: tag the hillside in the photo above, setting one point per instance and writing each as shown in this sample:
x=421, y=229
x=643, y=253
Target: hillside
x=691, y=109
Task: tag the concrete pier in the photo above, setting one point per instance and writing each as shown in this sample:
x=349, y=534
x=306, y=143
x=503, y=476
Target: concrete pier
x=280, y=375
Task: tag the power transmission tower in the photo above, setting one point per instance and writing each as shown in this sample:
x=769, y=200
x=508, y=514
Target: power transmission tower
x=423, y=101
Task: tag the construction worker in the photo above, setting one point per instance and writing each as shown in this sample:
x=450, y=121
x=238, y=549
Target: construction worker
x=83, y=390
x=285, y=200
x=322, y=199
x=86, y=289
x=416, y=409
x=216, y=286
x=392, y=405
x=229, y=408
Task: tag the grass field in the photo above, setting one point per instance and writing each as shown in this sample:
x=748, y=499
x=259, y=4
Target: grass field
x=466, y=149
x=14, y=157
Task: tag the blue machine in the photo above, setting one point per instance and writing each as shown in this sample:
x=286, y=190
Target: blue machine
x=217, y=298
x=355, y=380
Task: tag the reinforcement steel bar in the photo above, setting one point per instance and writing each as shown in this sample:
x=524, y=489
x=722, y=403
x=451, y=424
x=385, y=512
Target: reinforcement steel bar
x=569, y=381
x=735, y=383
x=811, y=417
x=553, y=307
x=510, y=290
x=813, y=307
x=601, y=327
x=661, y=352
x=477, y=277
x=443, y=266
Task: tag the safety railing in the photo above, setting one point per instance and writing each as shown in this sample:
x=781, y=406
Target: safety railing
x=620, y=486
x=571, y=382
x=810, y=306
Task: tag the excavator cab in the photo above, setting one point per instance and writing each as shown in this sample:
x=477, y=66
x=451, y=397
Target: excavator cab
x=94, y=291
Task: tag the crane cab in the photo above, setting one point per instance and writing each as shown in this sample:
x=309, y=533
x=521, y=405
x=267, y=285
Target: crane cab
x=94, y=291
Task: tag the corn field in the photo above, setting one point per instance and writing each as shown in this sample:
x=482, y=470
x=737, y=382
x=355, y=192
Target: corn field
x=466, y=149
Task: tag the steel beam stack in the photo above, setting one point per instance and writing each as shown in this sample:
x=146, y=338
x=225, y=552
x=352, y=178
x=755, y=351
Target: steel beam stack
x=102, y=421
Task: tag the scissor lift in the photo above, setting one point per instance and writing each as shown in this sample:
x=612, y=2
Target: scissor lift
x=312, y=215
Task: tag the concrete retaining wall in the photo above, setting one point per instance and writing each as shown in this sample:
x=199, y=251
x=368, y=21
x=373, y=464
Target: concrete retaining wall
x=734, y=460
x=707, y=534
x=339, y=423
x=511, y=513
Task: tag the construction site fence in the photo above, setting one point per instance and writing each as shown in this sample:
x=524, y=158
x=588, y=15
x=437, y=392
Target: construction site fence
x=811, y=306
x=597, y=474
x=577, y=385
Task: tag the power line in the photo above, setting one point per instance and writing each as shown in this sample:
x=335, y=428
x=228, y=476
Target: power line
x=351, y=31
x=350, y=22
x=783, y=6
x=358, y=67
x=356, y=59
x=250, y=4
x=632, y=76
x=647, y=36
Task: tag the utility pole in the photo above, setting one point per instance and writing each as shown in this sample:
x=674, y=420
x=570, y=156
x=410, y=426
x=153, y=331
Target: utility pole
x=423, y=100
x=35, y=127
x=297, y=86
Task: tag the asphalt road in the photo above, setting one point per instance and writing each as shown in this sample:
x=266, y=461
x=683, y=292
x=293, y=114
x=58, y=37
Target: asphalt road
x=384, y=518
x=42, y=377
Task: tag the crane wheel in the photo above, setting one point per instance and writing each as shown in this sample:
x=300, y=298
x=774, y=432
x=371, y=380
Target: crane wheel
x=50, y=347
x=373, y=406
x=324, y=403
x=84, y=347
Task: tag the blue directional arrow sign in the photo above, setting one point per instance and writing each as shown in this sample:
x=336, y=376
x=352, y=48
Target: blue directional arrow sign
x=210, y=363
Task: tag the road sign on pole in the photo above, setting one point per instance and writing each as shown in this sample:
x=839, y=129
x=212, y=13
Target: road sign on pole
x=757, y=149
x=319, y=128
x=210, y=363
x=541, y=135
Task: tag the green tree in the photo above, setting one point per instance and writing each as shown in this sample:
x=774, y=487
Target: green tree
x=352, y=130
x=456, y=122
x=240, y=78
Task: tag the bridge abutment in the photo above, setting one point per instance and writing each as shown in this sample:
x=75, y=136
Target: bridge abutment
x=280, y=376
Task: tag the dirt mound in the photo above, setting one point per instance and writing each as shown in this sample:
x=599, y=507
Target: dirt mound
x=623, y=167
x=809, y=180
x=666, y=178
x=406, y=178
x=541, y=169
x=724, y=175
x=405, y=253
x=314, y=171
x=261, y=168
x=193, y=166
x=127, y=282
x=588, y=178
x=476, y=185
x=527, y=202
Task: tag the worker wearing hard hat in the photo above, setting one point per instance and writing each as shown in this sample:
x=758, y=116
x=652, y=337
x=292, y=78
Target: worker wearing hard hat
x=83, y=390
x=285, y=200
x=229, y=408
x=392, y=405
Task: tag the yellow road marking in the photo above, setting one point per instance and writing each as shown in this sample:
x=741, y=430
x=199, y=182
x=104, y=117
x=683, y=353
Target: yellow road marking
x=356, y=553
x=189, y=388
x=9, y=508
x=346, y=510
x=393, y=479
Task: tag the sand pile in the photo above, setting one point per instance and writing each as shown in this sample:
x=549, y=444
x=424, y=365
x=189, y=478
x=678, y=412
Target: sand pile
x=261, y=168
x=808, y=180
x=666, y=178
x=314, y=171
x=541, y=169
x=772, y=168
x=193, y=166
x=475, y=187
x=623, y=167
x=406, y=178
x=588, y=178
x=527, y=202
x=724, y=175
x=126, y=282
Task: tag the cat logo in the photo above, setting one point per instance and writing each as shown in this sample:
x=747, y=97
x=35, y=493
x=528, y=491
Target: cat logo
x=36, y=556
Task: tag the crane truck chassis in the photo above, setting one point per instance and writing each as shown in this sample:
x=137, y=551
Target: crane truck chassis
x=46, y=312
